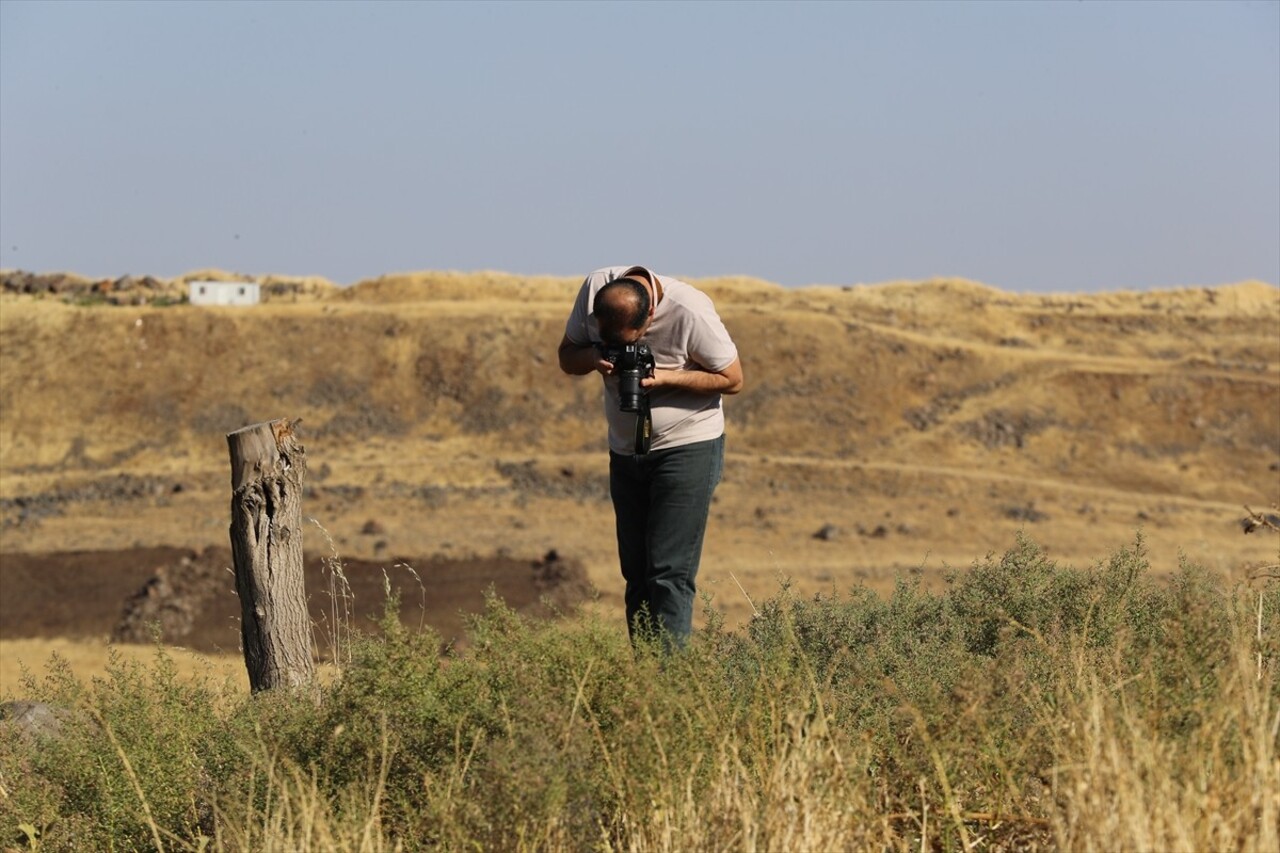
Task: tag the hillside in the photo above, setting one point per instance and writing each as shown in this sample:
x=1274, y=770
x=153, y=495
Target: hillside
x=885, y=430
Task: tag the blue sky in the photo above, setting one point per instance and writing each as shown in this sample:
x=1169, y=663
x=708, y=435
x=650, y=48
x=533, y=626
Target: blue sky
x=1033, y=146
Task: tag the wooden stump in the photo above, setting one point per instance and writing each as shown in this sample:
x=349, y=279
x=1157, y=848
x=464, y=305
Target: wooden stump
x=267, y=469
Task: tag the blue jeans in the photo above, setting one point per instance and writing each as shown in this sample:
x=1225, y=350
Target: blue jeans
x=661, y=502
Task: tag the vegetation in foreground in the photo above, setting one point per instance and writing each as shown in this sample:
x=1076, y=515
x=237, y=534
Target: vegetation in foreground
x=1026, y=706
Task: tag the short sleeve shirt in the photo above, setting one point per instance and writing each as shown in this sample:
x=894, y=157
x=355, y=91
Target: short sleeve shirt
x=686, y=334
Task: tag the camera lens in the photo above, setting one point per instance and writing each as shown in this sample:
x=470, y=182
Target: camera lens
x=629, y=390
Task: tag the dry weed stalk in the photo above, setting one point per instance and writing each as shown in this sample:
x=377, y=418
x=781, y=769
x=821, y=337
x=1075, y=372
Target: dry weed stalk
x=1255, y=520
x=295, y=814
x=804, y=794
x=132, y=776
x=1265, y=521
x=1122, y=784
x=341, y=605
x=422, y=590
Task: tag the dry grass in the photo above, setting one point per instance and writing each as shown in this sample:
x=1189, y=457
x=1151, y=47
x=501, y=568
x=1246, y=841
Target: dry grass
x=1116, y=785
x=88, y=658
x=1030, y=707
x=286, y=811
x=926, y=422
x=1121, y=785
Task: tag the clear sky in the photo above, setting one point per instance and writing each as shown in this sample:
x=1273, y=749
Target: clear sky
x=1033, y=146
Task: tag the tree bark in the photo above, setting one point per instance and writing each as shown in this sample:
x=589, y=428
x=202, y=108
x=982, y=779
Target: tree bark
x=267, y=469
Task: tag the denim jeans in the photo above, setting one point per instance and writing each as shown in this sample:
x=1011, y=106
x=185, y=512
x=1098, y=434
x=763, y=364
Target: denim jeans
x=661, y=501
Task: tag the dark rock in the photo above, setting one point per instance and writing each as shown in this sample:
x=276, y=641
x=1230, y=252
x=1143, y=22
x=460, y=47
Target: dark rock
x=1027, y=513
x=827, y=533
x=33, y=719
x=169, y=603
x=999, y=428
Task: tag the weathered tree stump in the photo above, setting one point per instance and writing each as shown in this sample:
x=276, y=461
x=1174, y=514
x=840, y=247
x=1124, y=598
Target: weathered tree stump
x=267, y=469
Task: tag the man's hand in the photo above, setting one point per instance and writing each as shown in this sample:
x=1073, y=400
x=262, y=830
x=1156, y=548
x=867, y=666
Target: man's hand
x=727, y=381
x=578, y=360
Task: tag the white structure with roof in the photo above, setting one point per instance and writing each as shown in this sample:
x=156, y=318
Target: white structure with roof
x=223, y=292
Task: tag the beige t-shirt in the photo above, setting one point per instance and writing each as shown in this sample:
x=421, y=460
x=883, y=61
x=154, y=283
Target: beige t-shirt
x=686, y=334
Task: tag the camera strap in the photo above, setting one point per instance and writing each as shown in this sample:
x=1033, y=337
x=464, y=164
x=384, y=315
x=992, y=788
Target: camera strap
x=644, y=427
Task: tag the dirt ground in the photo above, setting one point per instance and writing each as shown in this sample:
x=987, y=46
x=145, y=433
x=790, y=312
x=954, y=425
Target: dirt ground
x=190, y=596
x=885, y=432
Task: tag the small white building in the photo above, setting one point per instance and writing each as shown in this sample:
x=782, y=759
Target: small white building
x=223, y=292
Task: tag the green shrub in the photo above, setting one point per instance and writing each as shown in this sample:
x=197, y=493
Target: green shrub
x=137, y=755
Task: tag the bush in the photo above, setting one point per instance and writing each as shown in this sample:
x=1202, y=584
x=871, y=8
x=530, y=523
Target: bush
x=134, y=761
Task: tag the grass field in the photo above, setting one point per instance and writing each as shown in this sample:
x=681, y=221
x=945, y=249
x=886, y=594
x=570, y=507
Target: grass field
x=1027, y=705
x=87, y=658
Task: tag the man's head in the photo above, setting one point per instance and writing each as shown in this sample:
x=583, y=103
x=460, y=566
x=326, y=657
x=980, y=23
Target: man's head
x=624, y=307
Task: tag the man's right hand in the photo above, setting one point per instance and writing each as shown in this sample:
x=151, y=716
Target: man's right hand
x=578, y=360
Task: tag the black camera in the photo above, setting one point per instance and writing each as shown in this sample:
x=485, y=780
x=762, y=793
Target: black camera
x=631, y=363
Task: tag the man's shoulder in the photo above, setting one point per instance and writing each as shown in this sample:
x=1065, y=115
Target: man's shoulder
x=685, y=295
x=597, y=279
x=605, y=274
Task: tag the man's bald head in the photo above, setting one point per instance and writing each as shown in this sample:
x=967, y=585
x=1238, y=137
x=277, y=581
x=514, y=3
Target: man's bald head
x=622, y=304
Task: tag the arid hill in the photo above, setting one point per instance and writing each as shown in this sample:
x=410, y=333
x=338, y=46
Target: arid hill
x=885, y=430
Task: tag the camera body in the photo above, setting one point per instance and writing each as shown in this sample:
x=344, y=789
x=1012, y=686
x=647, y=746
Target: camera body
x=631, y=363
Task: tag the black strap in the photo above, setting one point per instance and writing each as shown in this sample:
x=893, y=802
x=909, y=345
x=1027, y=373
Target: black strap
x=644, y=427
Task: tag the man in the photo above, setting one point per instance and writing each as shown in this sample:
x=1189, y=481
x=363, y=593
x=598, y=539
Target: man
x=661, y=479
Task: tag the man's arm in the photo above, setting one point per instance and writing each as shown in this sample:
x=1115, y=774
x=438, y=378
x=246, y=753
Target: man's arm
x=727, y=381
x=579, y=360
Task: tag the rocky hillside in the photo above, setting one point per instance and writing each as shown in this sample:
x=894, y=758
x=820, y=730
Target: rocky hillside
x=906, y=424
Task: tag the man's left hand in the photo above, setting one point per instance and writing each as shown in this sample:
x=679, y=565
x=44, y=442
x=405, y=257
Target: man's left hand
x=727, y=381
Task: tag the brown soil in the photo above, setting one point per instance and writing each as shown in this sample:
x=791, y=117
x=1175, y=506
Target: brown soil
x=190, y=596
x=884, y=431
